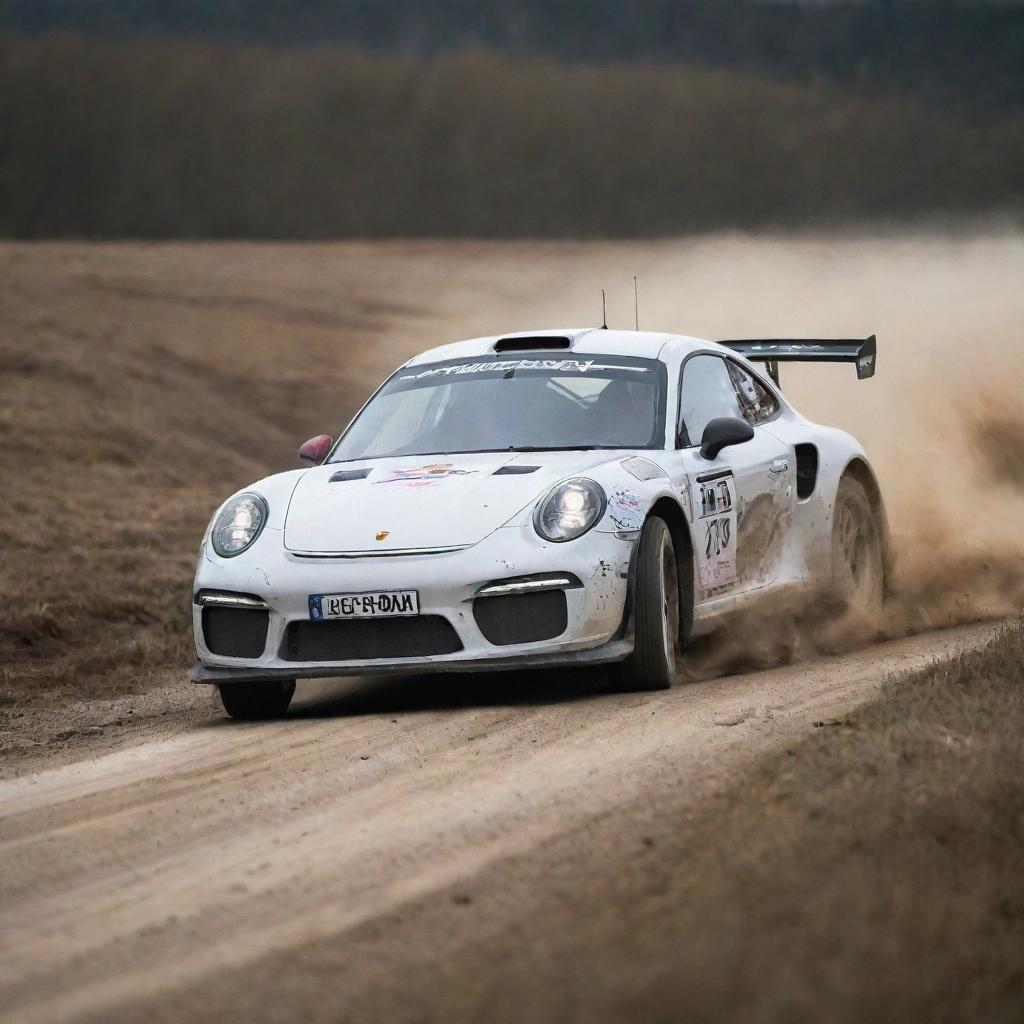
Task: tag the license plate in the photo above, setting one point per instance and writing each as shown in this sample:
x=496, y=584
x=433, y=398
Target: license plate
x=372, y=604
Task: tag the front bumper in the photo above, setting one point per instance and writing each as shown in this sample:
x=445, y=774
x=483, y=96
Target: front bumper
x=614, y=651
x=596, y=622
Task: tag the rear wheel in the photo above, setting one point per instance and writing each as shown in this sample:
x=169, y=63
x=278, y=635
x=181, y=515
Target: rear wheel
x=858, y=575
x=656, y=614
x=257, y=700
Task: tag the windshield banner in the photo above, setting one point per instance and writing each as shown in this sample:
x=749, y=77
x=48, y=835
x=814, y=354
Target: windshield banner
x=504, y=365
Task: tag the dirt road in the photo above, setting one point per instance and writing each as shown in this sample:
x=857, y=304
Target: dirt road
x=340, y=864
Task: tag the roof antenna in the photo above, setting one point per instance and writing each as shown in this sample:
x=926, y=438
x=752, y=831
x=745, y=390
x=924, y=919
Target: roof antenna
x=604, y=313
x=636, y=303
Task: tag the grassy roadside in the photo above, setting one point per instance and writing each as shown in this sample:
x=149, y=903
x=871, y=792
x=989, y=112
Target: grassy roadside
x=139, y=386
x=874, y=871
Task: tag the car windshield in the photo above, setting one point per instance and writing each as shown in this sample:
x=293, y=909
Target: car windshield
x=512, y=404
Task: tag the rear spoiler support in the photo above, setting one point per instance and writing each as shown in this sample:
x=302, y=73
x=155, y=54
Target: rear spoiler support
x=772, y=351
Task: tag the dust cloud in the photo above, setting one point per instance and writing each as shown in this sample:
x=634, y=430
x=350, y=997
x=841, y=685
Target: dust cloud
x=942, y=420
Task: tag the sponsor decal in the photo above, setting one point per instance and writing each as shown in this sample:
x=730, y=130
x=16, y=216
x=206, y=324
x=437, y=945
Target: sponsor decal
x=502, y=366
x=625, y=511
x=422, y=476
x=714, y=515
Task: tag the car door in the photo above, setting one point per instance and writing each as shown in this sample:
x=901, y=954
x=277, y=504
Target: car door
x=741, y=500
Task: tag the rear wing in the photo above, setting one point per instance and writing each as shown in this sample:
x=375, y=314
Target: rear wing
x=772, y=351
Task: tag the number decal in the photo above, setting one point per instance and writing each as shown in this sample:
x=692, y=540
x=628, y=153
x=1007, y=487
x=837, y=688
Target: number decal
x=714, y=512
x=719, y=533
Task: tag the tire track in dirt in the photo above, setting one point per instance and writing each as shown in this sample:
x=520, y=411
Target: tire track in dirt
x=155, y=867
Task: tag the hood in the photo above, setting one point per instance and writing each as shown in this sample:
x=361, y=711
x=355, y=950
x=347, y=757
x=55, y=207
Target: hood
x=434, y=501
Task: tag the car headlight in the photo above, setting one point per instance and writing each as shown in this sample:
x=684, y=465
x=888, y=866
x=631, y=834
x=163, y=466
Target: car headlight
x=570, y=509
x=238, y=524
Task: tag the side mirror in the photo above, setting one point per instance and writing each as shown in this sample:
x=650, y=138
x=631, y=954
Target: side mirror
x=316, y=448
x=722, y=433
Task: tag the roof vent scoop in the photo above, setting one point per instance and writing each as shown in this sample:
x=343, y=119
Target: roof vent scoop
x=532, y=343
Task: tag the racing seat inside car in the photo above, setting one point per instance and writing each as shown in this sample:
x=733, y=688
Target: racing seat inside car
x=624, y=414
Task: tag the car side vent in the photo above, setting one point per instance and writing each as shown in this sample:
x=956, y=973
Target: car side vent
x=806, y=470
x=514, y=470
x=643, y=469
x=532, y=343
x=350, y=474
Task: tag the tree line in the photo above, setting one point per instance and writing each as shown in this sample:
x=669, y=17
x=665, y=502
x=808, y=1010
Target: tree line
x=158, y=137
x=965, y=51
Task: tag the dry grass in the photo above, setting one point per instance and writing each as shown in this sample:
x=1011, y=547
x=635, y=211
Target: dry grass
x=138, y=388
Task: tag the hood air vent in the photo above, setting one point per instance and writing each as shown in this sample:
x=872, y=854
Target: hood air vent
x=514, y=470
x=533, y=343
x=350, y=474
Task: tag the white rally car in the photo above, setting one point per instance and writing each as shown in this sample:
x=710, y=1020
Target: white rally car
x=555, y=498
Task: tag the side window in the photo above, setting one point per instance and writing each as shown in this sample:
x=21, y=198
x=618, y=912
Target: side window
x=757, y=402
x=708, y=392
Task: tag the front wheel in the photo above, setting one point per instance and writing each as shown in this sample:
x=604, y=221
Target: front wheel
x=247, y=701
x=652, y=665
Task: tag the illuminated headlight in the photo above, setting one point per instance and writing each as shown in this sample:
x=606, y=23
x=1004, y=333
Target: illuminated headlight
x=238, y=525
x=570, y=509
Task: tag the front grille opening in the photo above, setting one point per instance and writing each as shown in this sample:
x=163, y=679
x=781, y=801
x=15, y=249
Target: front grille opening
x=414, y=636
x=236, y=632
x=522, y=618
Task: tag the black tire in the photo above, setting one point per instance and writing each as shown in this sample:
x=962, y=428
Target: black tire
x=656, y=614
x=858, y=570
x=248, y=701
